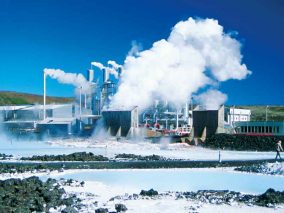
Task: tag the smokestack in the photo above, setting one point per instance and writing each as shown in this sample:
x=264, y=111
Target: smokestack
x=106, y=75
x=90, y=75
x=44, y=95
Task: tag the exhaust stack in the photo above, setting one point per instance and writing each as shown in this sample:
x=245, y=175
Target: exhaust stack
x=106, y=75
x=90, y=75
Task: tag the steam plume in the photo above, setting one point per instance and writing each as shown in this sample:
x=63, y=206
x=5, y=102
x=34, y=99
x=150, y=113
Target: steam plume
x=78, y=80
x=112, y=70
x=196, y=54
x=114, y=64
x=211, y=99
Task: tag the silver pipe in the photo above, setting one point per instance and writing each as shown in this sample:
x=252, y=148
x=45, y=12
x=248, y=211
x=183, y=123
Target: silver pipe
x=85, y=101
x=80, y=104
x=44, y=95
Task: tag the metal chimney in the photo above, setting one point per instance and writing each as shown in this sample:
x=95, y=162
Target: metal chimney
x=106, y=75
x=90, y=75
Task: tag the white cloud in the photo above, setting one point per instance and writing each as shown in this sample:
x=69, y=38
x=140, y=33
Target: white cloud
x=174, y=68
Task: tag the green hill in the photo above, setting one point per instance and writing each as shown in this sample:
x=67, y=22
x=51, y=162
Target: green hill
x=17, y=98
x=258, y=113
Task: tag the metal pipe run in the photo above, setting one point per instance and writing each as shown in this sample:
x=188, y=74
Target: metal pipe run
x=85, y=102
x=80, y=102
x=44, y=95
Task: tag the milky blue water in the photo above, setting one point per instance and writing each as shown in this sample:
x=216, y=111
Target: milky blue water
x=182, y=180
x=29, y=148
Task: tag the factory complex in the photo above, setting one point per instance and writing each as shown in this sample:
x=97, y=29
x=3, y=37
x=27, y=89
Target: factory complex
x=90, y=112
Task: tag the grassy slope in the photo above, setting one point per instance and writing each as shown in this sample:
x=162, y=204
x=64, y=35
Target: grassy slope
x=274, y=113
x=16, y=98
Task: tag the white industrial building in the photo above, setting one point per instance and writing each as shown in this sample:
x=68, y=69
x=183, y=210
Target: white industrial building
x=237, y=115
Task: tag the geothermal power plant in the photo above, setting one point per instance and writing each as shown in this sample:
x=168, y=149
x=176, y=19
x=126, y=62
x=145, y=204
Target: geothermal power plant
x=90, y=113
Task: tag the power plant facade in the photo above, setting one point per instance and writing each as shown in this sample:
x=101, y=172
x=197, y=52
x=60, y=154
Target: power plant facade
x=91, y=105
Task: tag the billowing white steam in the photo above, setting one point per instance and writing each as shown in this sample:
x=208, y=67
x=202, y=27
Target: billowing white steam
x=211, y=99
x=197, y=53
x=114, y=64
x=78, y=80
x=135, y=48
x=112, y=70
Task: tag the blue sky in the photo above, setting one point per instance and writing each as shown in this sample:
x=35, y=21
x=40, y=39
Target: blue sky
x=69, y=34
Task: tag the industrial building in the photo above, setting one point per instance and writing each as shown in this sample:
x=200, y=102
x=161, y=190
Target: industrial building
x=233, y=115
x=260, y=128
x=77, y=118
x=161, y=119
x=121, y=123
x=60, y=119
x=208, y=122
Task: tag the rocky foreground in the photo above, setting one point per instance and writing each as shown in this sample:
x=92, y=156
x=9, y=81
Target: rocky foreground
x=33, y=195
x=70, y=196
x=264, y=168
x=193, y=201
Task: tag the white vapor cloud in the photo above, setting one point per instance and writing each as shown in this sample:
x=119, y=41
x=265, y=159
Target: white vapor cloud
x=112, y=70
x=78, y=80
x=197, y=53
x=135, y=48
x=114, y=64
x=211, y=99
x=98, y=65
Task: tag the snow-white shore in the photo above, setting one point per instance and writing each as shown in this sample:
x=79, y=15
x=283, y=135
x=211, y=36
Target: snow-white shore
x=97, y=195
x=111, y=147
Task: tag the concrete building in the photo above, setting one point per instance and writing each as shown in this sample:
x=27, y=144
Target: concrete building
x=121, y=123
x=208, y=122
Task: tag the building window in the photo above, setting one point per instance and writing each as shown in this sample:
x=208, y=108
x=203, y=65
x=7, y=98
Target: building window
x=277, y=130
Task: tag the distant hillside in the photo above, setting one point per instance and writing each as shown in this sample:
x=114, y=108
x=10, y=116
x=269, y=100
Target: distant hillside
x=16, y=98
x=274, y=113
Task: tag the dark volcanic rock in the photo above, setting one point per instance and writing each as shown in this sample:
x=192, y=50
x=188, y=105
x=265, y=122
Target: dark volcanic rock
x=140, y=157
x=120, y=207
x=242, y=142
x=69, y=210
x=101, y=210
x=5, y=157
x=77, y=156
x=32, y=195
x=149, y=193
x=270, y=198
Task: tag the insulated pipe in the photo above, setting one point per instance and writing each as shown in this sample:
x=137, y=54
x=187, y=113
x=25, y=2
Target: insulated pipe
x=191, y=103
x=44, y=95
x=80, y=104
x=85, y=101
x=186, y=112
